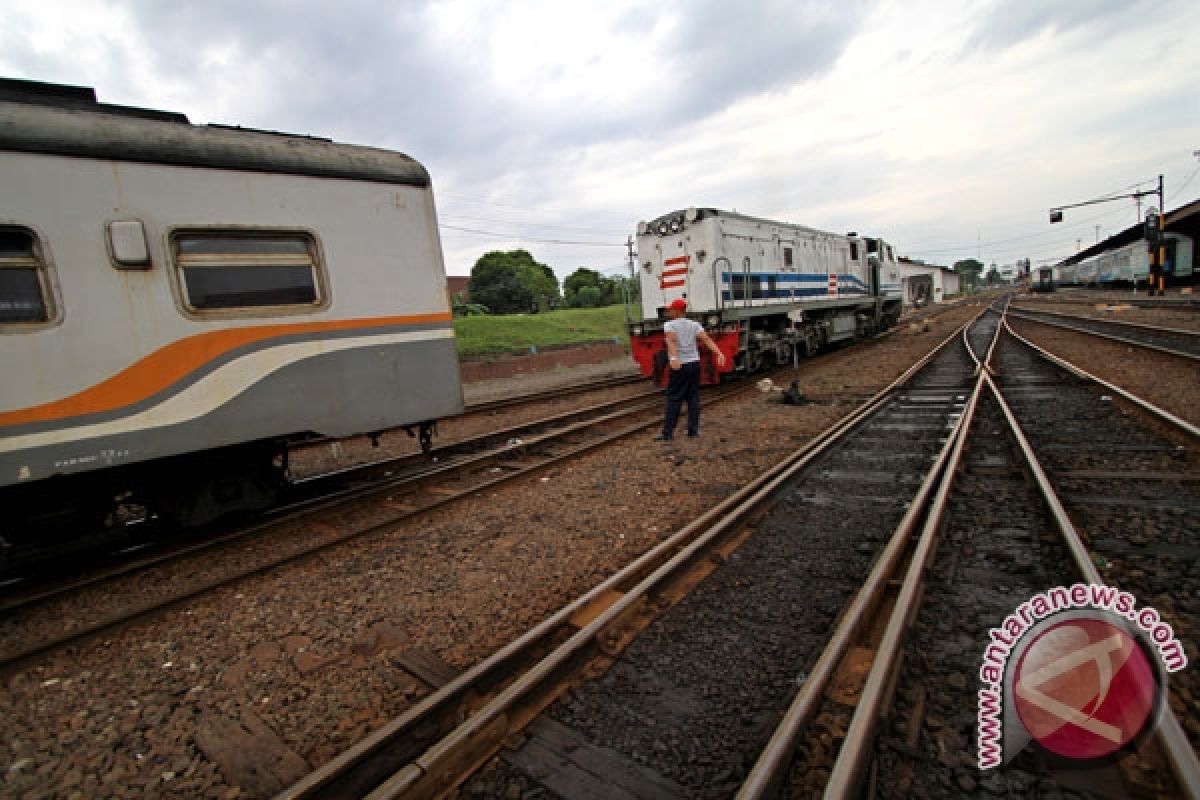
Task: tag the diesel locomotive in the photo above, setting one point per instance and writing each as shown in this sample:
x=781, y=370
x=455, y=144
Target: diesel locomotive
x=767, y=292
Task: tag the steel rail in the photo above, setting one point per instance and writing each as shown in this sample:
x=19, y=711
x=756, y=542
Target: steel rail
x=495, y=405
x=770, y=767
x=1121, y=323
x=1145, y=405
x=846, y=775
x=1029, y=317
x=128, y=616
x=551, y=394
x=330, y=501
x=1170, y=733
x=441, y=765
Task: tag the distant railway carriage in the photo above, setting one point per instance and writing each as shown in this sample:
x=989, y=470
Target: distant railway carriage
x=1130, y=264
x=1044, y=280
x=765, y=291
x=179, y=303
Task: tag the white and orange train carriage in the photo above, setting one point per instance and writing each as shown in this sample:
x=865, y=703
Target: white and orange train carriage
x=179, y=303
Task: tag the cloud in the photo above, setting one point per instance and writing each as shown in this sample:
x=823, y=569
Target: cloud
x=932, y=123
x=1007, y=23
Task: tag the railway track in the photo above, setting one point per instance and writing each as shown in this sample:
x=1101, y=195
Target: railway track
x=438, y=742
x=1175, y=302
x=1172, y=341
x=1008, y=537
x=492, y=406
x=387, y=494
x=644, y=688
x=140, y=543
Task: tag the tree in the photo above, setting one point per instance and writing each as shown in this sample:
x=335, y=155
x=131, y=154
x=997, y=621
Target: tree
x=589, y=297
x=579, y=279
x=608, y=291
x=512, y=282
x=968, y=271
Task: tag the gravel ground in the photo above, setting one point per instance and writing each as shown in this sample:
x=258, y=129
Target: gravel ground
x=306, y=651
x=1167, y=381
x=1111, y=306
x=701, y=690
x=697, y=694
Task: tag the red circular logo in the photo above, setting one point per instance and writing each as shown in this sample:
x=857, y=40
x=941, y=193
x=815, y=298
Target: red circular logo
x=1084, y=688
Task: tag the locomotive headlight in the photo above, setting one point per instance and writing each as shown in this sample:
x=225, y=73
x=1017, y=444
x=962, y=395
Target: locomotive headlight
x=712, y=320
x=676, y=227
x=662, y=228
x=636, y=330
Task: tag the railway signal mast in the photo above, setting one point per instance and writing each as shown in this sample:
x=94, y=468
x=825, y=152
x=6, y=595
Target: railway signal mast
x=1154, y=223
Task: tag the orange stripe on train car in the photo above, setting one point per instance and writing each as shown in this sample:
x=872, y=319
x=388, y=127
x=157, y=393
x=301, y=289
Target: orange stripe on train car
x=169, y=364
x=670, y=262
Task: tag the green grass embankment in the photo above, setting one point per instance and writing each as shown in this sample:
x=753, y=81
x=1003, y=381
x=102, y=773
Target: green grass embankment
x=497, y=334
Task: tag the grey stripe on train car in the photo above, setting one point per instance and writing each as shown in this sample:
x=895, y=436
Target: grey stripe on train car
x=336, y=394
x=207, y=368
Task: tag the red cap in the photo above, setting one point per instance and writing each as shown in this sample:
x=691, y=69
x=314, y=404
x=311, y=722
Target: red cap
x=678, y=304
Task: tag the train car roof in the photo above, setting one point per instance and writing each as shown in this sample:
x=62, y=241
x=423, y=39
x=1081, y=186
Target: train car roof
x=704, y=213
x=67, y=120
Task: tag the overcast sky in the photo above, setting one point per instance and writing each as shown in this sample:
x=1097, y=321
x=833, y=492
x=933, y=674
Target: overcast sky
x=949, y=128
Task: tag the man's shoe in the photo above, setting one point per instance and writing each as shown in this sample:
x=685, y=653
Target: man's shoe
x=693, y=435
x=662, y=438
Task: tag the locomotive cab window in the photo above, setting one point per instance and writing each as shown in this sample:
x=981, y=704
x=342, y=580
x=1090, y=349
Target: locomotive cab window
x=226, y=270
x=23, y=282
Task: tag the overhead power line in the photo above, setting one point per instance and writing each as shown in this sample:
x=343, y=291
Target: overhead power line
x=522, y=238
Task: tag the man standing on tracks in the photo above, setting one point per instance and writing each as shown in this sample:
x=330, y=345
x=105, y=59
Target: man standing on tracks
x=683, y=337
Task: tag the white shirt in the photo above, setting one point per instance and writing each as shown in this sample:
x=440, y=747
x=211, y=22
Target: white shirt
x=685, y=331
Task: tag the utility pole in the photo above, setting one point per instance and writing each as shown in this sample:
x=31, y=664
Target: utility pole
x=632, y=276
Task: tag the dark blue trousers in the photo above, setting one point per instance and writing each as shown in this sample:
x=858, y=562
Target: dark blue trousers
x=683, y=385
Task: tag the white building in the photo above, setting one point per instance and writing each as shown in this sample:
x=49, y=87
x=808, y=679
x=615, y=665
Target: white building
x=923, y=283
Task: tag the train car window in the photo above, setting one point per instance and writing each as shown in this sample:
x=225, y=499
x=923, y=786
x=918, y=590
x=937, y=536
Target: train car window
x=854, y=251
x=22, y=279
x=787, y=256
x=229, y=271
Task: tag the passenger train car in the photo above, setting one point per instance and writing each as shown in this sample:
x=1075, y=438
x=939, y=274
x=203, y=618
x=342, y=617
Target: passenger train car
x=179, y=303
x=1130, y=264
x=765, y=291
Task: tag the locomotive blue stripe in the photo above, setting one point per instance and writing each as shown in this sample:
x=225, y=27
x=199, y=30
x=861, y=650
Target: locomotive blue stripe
x=787, y=294
x=795, y=277
x=816, y=285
